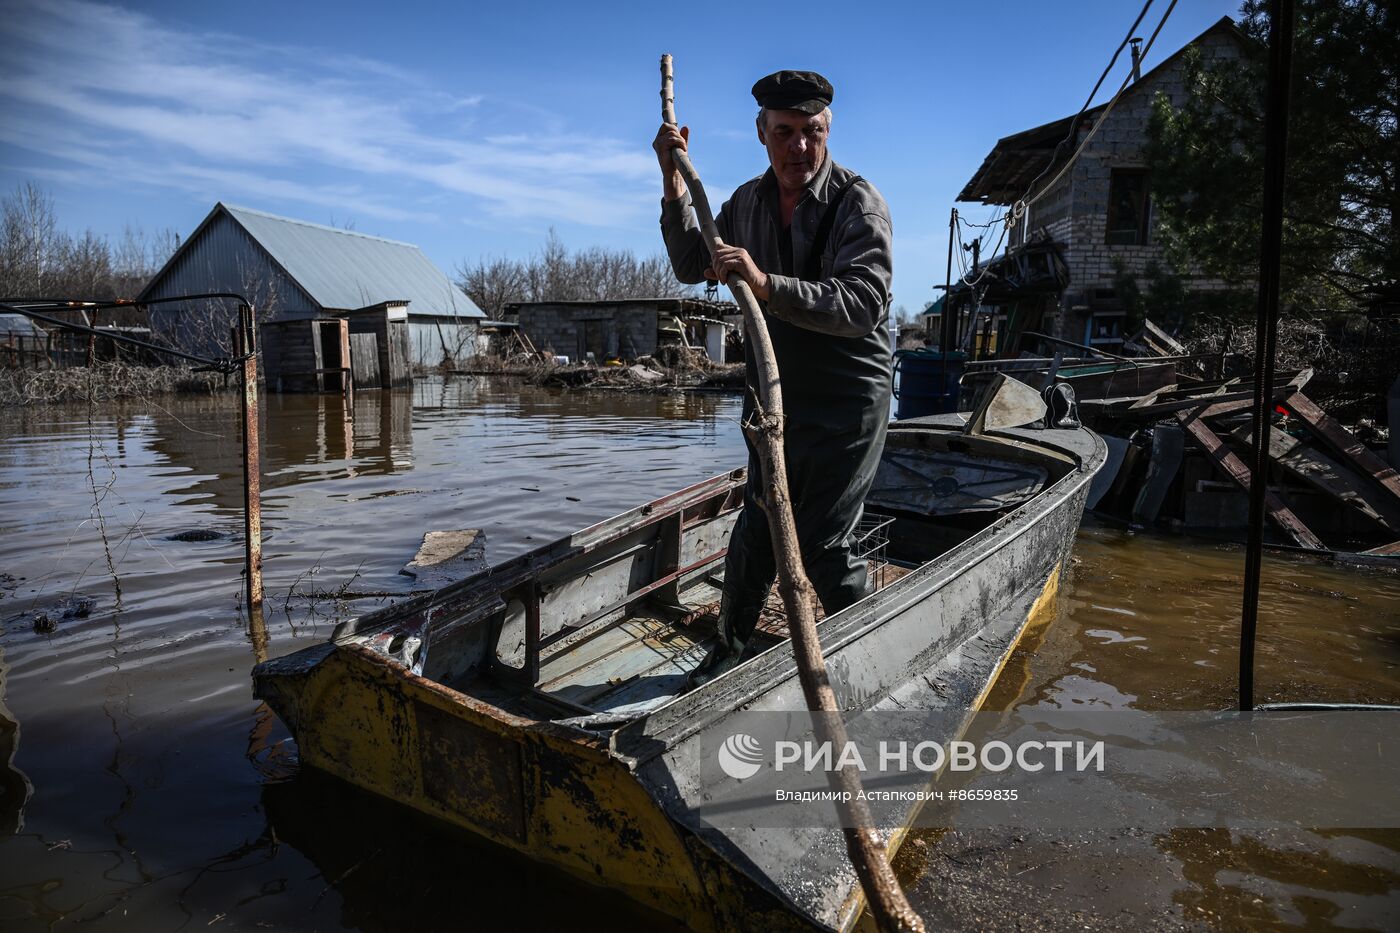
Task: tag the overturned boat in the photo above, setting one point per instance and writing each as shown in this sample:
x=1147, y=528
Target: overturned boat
x=542, y=704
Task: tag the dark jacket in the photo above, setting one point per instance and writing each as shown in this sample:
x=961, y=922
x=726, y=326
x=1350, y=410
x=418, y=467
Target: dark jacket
x=830, y=335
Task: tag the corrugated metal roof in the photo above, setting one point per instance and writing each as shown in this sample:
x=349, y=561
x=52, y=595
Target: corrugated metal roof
x=344, y=270
x=20, y=326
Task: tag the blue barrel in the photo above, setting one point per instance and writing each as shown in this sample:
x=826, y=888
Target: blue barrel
x=921, y=386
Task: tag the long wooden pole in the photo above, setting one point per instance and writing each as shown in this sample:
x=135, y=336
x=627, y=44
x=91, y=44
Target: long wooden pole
x=247, y=347
x=867, y=851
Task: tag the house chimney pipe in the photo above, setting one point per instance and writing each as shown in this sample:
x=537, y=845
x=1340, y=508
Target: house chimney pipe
x=1137, y=57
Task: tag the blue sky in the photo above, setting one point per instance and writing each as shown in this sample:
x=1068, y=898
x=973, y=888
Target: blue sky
x=471, y=129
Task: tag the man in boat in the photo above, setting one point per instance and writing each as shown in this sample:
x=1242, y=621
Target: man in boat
x=812, y=239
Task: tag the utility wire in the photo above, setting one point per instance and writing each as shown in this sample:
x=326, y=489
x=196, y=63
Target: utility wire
x=69, y=304
x=986, y=226
x=1018, y=208
x=1108, y=108
x=1074, y=123
x=227, y=365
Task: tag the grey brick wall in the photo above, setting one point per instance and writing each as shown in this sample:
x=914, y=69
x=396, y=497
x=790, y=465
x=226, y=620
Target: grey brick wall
x=624, y=330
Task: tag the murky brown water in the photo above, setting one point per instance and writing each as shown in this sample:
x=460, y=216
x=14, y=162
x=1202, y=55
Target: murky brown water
x=147, y=791
x=1152, y=622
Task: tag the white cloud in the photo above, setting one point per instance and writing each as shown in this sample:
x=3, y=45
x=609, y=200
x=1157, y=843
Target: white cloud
x=130, y=100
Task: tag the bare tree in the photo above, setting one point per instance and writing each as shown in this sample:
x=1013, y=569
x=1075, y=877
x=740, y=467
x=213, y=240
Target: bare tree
x=555, y=274
x=903, y=316
x=37, y=259
x=493, y=283
x=82, y=267
x=28, y=241
x=138, y=256
x=206, y=327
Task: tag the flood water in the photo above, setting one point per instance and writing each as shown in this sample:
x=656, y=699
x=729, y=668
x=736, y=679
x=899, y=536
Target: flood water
x=142, y=788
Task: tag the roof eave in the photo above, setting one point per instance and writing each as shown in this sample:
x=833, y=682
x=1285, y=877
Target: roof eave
x=978, y=189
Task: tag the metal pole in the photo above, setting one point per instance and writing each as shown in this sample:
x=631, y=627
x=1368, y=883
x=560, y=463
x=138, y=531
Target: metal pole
x=946, y=324
x=947, y=334
x=1225, y=351
x=968, y=342
x=252, y=470
x=1266, y=324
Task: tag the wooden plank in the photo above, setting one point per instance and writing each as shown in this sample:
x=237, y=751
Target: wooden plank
x=1342, y=441
x=1227, y=408
x=346, y=376
x=364, y=361
x=1162, y=343
x=1235, y=468
x=1188, y=404
x=1167, y=447
x=1319, y=470
x=1202, y=389
x=1151, y=341
x=1385, y=550
x=397, y=336
x=1214, y=394
x=1153, y=396
x=1205, y=388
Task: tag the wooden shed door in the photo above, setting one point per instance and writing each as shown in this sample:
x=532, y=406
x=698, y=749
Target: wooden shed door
x=595, y=341
x=335, y=346
x=398, y=354
x=364, y=360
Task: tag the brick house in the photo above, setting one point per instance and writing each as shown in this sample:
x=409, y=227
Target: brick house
x=1097, y=216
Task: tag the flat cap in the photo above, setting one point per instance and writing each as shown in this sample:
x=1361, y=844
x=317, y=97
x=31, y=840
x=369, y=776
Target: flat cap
x=793, y=90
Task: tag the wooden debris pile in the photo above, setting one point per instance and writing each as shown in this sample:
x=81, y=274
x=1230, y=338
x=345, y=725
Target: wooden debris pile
x=1178, y=455
x=678, y=369
x=1179, y=430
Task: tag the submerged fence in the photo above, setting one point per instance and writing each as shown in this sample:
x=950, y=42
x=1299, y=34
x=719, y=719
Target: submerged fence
x=64, y=349
x=245, y=364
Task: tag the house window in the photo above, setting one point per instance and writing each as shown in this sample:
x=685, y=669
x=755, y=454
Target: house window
x=1105, y=328
x=1128, y=207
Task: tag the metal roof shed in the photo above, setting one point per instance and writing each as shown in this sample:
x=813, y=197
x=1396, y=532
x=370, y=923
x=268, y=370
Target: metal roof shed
x=293, y=272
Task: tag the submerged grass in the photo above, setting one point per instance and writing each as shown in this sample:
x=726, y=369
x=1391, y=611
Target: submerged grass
x=104, y=382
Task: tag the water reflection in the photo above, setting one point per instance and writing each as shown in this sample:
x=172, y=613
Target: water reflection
x=146, y=754
x=304, y=438
x=314, y=438
x=14, y=785
x=1151, y=622
x=397, y=870
x=272, y=757
x=1287, y=878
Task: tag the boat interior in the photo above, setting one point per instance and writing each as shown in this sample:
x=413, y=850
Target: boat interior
x=605, y=625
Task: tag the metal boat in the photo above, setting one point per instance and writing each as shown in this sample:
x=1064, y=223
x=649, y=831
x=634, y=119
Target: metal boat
x=542, y=704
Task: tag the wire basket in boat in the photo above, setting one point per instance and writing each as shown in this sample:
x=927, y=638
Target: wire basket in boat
x=872, y=540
